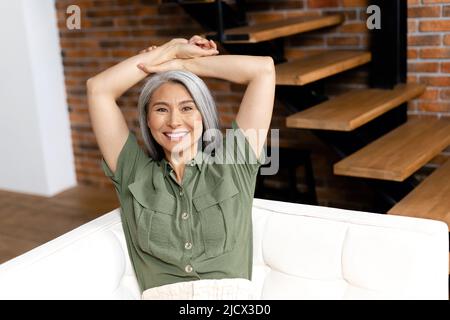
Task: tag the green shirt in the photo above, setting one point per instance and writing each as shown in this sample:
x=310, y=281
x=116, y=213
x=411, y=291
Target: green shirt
x=199, y=229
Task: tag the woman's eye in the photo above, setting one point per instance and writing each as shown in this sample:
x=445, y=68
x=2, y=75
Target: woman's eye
x=161, y=109
x=187, y=108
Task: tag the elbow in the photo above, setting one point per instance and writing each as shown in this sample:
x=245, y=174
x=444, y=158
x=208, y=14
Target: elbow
x=90, y=83
x=93, y=86
x=269, y=64
x=266, y=66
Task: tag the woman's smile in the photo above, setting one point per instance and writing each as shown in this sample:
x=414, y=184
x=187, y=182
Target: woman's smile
x=176, y=135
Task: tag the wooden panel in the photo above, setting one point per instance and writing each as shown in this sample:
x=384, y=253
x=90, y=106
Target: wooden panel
x=431, y=199
x=27, y=221
x=302, y=71
x=398, y=154
x=282, y=28
x=353, y=109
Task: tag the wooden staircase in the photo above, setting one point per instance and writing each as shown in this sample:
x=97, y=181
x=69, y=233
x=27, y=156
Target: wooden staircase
x=277, y=29
x=354, y=109
x=391, y=157
x=400, y=153
x=303, y=71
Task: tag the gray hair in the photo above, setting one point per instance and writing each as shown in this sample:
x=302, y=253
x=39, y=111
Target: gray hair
x=201, y=96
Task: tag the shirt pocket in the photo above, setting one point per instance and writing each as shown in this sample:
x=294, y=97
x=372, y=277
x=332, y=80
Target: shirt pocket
x=155, y=223
x=218, y=213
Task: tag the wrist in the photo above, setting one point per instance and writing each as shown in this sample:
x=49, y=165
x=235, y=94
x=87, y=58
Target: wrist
x=158, y=56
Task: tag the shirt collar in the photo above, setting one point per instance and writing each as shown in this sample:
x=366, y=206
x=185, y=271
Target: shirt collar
x=197, y=160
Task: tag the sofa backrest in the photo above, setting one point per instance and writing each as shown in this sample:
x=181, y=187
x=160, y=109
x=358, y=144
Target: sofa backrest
x=300, y=252
x=313, y=252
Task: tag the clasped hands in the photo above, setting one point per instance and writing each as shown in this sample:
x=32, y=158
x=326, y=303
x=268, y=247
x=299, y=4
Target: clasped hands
x=178, y=49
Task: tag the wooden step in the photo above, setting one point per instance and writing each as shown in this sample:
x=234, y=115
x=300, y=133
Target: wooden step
x=195, y=1
x=302, y=71
x=353, y=109
x=430, y=199
x=277, y=29
x=398, y=154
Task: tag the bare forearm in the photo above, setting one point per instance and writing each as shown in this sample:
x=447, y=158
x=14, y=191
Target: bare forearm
x=235, y=68
x=117, y=79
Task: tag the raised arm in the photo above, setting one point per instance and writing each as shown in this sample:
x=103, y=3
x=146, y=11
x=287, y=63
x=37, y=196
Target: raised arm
x=257, y=72
x=105, y=88
x=255, y=111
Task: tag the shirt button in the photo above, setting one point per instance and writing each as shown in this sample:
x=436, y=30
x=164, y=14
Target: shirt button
x=188, y=268
x=181, y=192
x=188, y=245
x=185, y=216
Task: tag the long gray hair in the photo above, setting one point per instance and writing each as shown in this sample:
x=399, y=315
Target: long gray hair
x=201, y=96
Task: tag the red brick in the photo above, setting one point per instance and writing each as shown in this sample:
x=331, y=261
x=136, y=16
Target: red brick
x=423, y=12
x=434, y=1
x=412, y=53
x=412, y=25
x=424, y=40
x=423, y=67
x=447, y=40
x=343, y=41
x=354, y=27
x=323, y=3
x=435, y=53
x=445, y=94
x=435, y=106
x=436, y=81
x=430, y=94
x=434, y=25
x=355, y=3
x=445, y=67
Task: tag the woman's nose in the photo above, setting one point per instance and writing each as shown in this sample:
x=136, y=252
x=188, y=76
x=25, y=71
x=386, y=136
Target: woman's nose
x=174, y=119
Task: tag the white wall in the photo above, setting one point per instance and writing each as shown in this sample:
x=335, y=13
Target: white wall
x=35, y=143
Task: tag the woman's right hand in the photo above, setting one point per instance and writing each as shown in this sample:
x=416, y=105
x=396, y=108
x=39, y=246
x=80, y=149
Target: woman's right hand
x=180, y=48
x=195, y=47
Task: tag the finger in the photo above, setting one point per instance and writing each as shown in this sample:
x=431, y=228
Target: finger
x=213, y=44
x=194, y=38
x=143, y=68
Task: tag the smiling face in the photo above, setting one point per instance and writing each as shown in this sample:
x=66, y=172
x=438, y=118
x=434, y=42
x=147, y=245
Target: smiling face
x=174, y=120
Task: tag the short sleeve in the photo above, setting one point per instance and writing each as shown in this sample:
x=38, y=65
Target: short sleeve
x=131, y=158
x=243, y=152
x=240, y=155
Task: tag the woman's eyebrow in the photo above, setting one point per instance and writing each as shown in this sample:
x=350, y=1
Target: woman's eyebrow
x=167, y=104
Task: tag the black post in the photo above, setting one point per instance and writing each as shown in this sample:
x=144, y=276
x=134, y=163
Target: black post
x=220, y=34
x=388, y=44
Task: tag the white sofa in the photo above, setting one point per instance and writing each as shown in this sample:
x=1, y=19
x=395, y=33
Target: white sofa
x=300, y=252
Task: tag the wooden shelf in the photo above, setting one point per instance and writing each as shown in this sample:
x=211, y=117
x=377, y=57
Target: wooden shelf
x=398, y=154
x=353, y=109
x=430, y=199
x=277, y=29
x=302, y=71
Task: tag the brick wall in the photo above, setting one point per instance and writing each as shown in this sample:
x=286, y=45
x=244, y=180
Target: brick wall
x=112, y=30
x=428, y=59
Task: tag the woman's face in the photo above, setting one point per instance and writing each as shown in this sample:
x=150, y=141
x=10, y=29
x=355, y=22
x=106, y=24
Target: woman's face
x=174, y=120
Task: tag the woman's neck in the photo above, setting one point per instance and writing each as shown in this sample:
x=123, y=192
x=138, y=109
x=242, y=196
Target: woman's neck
x=178, y=160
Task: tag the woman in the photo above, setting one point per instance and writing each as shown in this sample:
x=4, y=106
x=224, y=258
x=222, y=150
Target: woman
x=186, y=219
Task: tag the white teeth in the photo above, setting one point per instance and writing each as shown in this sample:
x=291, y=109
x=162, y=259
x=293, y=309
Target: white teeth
x=176, y=135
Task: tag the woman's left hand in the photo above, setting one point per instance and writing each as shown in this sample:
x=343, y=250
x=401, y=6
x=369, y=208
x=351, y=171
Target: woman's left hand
x=195, y=47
